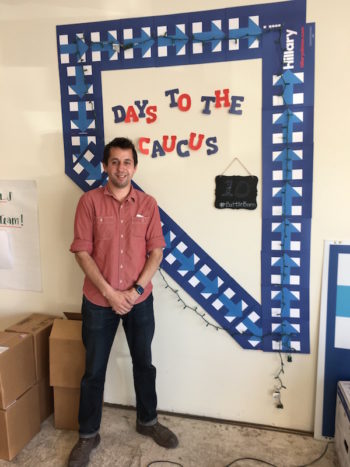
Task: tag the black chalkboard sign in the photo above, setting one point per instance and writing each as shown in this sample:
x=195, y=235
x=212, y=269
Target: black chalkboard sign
x=236, y=191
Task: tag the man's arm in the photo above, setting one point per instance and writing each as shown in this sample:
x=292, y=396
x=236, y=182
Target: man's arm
x=119, y=301
x=152, y=264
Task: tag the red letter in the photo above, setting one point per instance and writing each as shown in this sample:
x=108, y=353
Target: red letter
x=141, y=148
x=131, y=115
x=184, y=107
x=191, y=144
x=223, y=98
x=151, y=111
x=165, y=143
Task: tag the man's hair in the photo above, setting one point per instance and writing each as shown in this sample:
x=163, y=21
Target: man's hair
x=122, y=143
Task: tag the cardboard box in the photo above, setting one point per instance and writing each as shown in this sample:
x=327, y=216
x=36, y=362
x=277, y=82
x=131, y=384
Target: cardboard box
x=67, y=354
x=39, y=325
x=17, y=366
x=342, y=423
x=45, y=398
x=19, y=423
x=66, y=408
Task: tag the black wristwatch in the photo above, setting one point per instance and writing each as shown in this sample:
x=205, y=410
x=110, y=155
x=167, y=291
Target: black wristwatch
x=139, y=289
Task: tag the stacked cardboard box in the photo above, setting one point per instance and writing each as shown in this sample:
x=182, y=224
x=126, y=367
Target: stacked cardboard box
x=342, y=423
x=67, y=365
x=39, y=326
x=19, y=393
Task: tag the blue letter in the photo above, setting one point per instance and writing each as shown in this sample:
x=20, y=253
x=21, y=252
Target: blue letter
x=118, y=118
x=235, y=105
x=213, y=148
x=157, y=147
x=141, y=108
x=207, y=100
x=171, y=93
x=178, y=148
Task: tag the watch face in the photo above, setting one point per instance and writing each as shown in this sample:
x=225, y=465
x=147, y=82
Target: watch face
x=139, y=289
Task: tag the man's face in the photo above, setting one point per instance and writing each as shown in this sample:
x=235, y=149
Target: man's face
x=120, y=167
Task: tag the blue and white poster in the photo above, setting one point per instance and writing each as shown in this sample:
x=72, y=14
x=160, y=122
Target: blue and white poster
x=334, y=339
x=342, y=307
x=278, y=36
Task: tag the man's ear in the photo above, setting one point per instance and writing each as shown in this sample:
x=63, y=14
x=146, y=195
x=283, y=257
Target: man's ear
x=104, y=167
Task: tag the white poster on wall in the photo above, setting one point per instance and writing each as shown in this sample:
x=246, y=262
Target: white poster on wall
x=19, y=236
x=342, y=312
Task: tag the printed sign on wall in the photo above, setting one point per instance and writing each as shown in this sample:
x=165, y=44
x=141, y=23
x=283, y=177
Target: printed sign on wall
x=19, y=236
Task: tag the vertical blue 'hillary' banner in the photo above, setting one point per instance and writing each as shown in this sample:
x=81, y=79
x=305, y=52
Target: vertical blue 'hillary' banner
x=288, y=102
x=277, y=34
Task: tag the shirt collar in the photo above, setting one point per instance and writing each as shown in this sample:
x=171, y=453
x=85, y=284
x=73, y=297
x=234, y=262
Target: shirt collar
x=131, y=196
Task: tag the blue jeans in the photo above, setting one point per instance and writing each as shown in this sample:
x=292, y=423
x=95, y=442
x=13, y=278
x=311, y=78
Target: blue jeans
x=100, y=325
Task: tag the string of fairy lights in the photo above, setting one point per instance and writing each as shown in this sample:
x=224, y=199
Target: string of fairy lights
x=279, y=385
x=283, y=337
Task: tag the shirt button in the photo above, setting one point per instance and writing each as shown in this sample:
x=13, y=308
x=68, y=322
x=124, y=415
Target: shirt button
x=121, y=266
x=122, y=236
x=121, y=251
x=121, y=221
x=120, y=281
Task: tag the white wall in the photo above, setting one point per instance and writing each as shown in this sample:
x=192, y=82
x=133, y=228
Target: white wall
x=200, y=370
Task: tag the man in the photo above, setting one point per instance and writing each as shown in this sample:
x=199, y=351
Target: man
x=118, y=243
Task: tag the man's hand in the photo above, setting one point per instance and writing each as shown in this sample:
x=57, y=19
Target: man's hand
x=131, y=295
x=120, y=301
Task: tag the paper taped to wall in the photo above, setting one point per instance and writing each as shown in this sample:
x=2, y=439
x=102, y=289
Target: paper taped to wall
x=19, y=236
x=6, y=257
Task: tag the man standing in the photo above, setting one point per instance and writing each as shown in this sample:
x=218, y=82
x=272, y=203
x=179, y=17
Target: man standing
x=118, y=243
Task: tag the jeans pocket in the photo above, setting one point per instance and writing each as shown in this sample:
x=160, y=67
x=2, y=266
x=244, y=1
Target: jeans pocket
x=95, y=316
x=143, y=312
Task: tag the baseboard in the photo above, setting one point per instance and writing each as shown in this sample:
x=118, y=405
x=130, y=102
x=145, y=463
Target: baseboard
x=219, y=420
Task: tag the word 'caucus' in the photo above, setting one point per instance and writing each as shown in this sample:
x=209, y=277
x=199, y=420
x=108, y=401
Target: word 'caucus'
x=182, y=146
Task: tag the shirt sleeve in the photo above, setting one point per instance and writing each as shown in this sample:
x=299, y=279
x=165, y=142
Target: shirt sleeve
x=83, y=226
x=154, y=235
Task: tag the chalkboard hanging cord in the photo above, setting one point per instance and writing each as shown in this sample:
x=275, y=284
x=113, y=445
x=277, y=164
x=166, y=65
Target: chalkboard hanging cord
x=233, y=160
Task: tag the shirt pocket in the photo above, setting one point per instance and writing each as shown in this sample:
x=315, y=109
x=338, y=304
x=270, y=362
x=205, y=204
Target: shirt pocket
x=139, y=226
x=104, y=227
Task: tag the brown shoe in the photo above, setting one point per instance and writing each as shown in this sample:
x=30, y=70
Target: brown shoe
x=80, y=455
x=159, y=433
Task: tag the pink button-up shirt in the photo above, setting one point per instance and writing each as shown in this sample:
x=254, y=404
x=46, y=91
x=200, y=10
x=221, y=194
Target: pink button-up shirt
x=118, y=236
